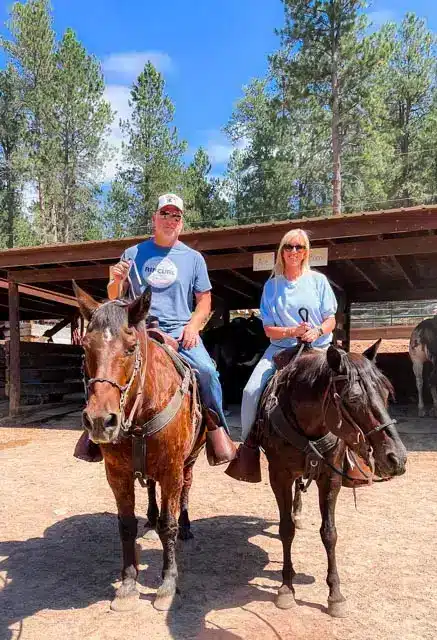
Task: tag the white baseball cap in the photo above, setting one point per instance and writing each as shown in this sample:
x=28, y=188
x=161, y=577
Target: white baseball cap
x=170, y=199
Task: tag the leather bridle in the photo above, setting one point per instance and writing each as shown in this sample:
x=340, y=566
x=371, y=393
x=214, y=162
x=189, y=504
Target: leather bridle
x=126, y=423
x=342, y=410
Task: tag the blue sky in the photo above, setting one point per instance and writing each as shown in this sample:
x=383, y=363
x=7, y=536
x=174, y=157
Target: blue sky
x=206, y=49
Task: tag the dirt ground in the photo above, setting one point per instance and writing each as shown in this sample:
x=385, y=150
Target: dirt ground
x=387, y=346
x=60, y=552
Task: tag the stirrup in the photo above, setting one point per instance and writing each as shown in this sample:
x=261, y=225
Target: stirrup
x=246, y=466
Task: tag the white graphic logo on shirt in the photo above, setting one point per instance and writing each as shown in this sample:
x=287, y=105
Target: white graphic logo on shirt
x=160, y=272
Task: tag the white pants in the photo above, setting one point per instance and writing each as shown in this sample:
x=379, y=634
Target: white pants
x=256, y=384
x=254, y=388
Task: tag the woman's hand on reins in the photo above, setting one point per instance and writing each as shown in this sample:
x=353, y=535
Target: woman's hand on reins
x=301, y=330
x=310, y=335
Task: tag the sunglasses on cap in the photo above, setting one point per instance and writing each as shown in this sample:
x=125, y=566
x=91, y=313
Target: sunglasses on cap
x=293, y=247
x=170, y=215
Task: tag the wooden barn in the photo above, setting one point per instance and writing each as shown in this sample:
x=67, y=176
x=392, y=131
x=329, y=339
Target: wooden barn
x=375, y=256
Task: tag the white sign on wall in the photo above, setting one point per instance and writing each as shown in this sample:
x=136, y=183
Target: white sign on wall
x=263, y=261
x=319, y=257
x=266, y=261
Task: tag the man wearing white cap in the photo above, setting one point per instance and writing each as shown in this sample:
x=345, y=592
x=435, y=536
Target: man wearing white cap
x=176, y=274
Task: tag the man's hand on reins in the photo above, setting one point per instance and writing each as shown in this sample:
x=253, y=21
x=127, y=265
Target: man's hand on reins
x=120, y=271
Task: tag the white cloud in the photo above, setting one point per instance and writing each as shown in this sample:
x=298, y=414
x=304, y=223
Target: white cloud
x=378, y=18
x=127, y=66
x=122, y=69
x=118, y=97
x=29, y=195
x=219, y=153
x=219, y=149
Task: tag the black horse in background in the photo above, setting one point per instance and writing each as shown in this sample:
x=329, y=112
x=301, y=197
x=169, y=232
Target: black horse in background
x=236, y=348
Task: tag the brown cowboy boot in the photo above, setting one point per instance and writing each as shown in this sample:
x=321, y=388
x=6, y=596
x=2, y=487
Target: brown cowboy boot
x=246, y=466
x=219, y=446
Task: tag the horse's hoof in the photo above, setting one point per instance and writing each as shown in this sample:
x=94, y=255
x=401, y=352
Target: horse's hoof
x=298, y=522
x=337, y=609
x=422, y=413
x=167, y=602
x=125, y=603
x=185, y=534
x=285, y=598
x=150, y=534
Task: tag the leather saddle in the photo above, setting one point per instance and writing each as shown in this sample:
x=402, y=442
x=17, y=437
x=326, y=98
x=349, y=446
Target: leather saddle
x=153, y=330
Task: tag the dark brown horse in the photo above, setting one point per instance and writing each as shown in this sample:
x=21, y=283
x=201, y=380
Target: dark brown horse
x=330, y=399
x=132, y=377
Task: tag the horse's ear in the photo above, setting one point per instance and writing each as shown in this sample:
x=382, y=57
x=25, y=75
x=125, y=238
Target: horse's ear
x=371, y=352
x=139, y=308
x=334, y=358
x=87, y=304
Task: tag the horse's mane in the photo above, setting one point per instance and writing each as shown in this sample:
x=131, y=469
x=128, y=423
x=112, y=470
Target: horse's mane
x=312, y=369
x=111, y=314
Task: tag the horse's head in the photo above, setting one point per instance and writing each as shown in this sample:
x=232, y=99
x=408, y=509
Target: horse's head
x=113, y=356
x=360, y=397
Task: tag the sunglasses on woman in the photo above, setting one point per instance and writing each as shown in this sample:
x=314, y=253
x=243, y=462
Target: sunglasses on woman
x=293, y=247
x=169, y=215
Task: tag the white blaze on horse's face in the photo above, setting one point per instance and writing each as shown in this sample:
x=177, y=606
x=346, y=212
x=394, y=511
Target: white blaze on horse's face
x=107, y=335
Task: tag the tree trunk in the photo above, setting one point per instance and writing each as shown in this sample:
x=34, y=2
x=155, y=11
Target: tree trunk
x=335, y=130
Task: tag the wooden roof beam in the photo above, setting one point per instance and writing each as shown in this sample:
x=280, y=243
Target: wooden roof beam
x=400, y=268
x=228, y=286
x=402, y=246
x=244, y=278
x=96, y=272
x=363, y=274
x=387, y=295
x=36, y=292
x=349, y=226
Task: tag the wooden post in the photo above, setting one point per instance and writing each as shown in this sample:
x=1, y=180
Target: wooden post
x=347, y=325
x=75, y=329
x=14, y=350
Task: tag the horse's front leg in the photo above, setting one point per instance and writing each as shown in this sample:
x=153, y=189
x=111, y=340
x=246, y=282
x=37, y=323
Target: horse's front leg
x=329, y=487
x=282, y=485
x=171, y=488
x=152, y=509
x=297, y=503
x=152, y=512
x=122, y=484
x=184, y=520
x=418, y=374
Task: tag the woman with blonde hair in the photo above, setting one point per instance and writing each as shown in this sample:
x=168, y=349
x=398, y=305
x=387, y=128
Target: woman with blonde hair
x=293, y=285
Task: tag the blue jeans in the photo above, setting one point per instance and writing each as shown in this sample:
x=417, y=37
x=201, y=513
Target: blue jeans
x=209, y=383
x=254, y=388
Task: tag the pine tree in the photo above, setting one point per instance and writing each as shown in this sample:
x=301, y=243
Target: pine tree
x=326, y=58
x=152, y=154
x=12, y=130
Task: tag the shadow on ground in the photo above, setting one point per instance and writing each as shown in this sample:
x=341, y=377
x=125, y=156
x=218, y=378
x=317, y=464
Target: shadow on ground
x=77, y=559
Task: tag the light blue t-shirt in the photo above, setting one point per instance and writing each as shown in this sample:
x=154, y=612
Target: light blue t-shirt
x=282, y=299
x=175, y=274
